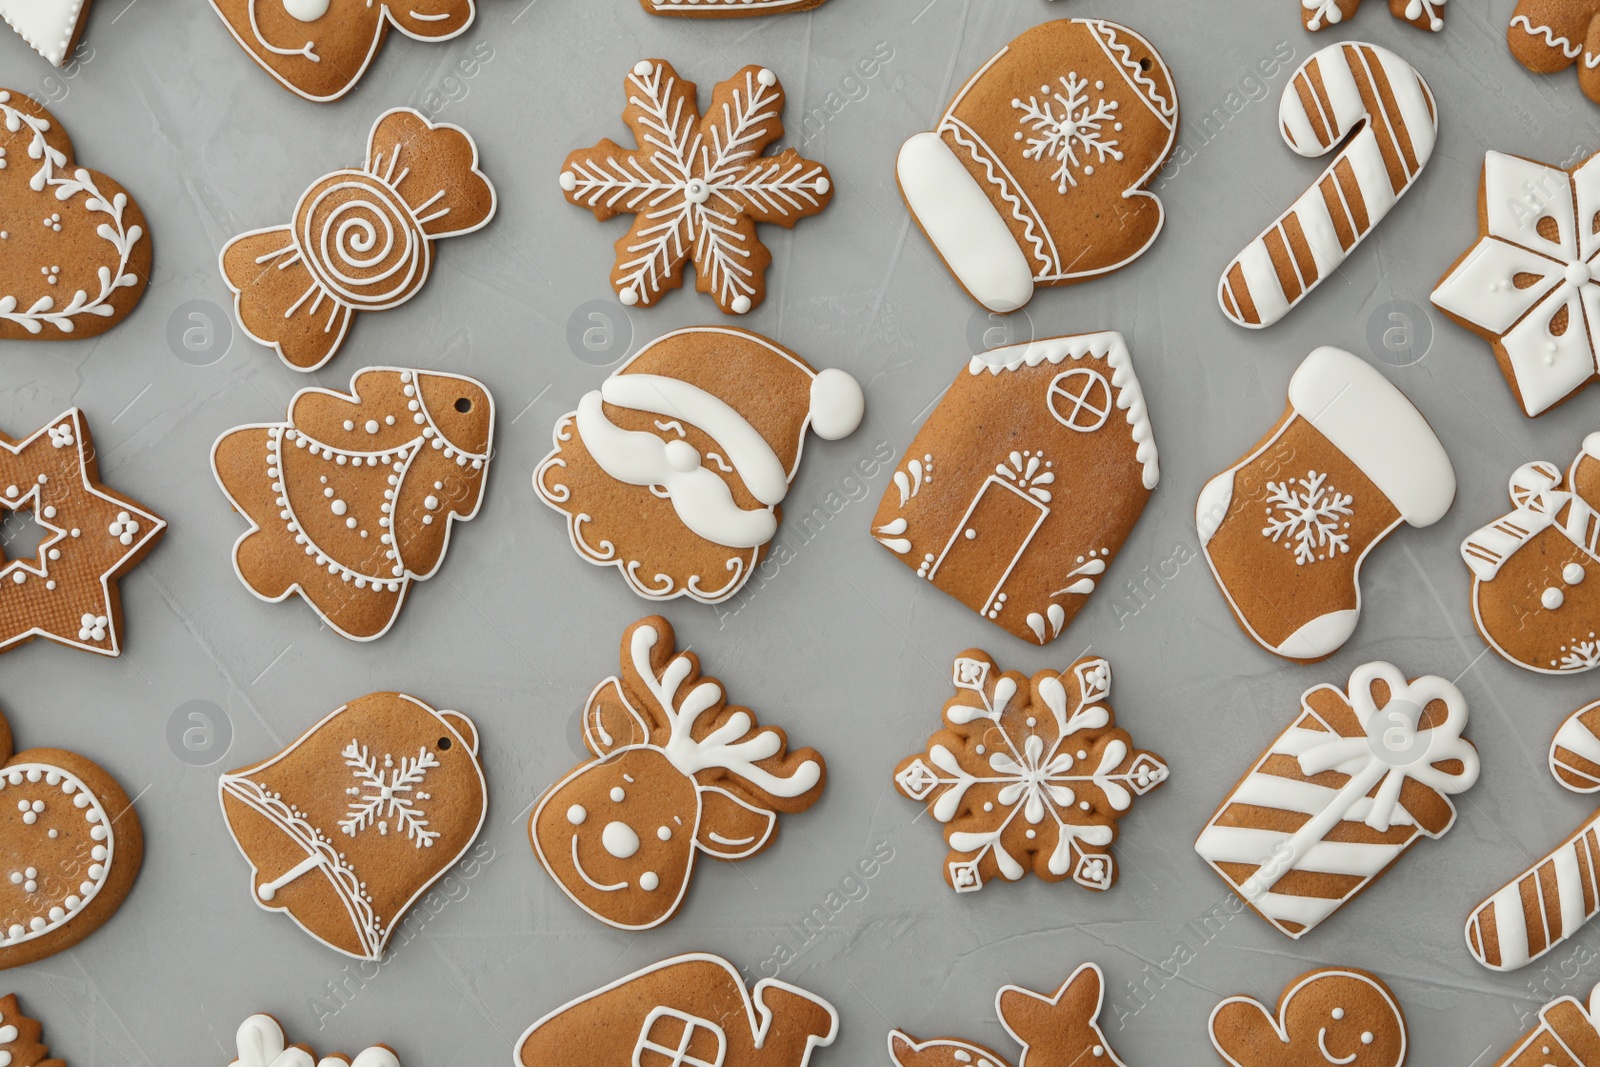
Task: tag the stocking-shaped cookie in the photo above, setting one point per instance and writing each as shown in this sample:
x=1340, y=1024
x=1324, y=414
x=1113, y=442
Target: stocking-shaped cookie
x=1287, y=528
x=1036, y=173
x=319, y=49
x=348, y=827
x=1547, y=36
x=361, y=240
x=1328, y=1016
x=74, y=252
x=1531, y=594
x=352, y=499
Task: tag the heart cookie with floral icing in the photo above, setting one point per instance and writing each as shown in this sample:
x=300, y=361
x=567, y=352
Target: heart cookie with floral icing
x=70, y=848
x=74, y=252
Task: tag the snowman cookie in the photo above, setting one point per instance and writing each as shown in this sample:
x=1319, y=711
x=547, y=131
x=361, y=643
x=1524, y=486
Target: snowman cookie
x=678, y=771
x=350, y=825
x=70, y=848
x=1331, y=1015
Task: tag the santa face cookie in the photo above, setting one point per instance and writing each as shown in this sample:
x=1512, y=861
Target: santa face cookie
x=1423, y=14
x=360, y=240
x=1531, y=285
x=1063, y=1029
x=74, y=246
x=1335, y=801
x=319, y=49
x=1025, y=481
x=1029, y=775
x=677, y=771
x=696, y=186
x=70, y=848
x=1568, y=1035
x=261, y=1043
x=348, y=827
x=1036, y=173
x=1286, y=529
x=1529, y=596
x=1328, y=1016
x=51, y=27
x=1547, y=36
x=672, y=471
x=90, y=537
x=692, y=1010
x=352, y=498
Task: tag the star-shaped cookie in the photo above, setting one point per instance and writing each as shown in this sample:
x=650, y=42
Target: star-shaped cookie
x=91, y=536
x=697, y=186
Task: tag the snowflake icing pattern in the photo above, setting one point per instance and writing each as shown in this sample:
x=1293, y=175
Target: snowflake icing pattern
x=1029, y=774
x=697, y=186
x=1307, y=514
x=1069, y=135
x=388, y=793
x=1580, y=654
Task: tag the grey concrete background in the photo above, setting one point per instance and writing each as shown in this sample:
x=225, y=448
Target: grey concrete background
x=843, y=647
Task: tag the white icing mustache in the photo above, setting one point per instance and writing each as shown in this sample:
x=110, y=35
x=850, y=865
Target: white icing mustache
x=701, y=499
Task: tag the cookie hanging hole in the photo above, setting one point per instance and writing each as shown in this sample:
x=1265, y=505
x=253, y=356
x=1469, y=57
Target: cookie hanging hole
x=1145, y=64
x=463, y=404
x=20, y=533
x=444, y=744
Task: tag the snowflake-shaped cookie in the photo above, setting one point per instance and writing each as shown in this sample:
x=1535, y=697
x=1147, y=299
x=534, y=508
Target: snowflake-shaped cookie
x=1069, y=124
x=1309, y=516
x=697, y=186
x=1029, y=774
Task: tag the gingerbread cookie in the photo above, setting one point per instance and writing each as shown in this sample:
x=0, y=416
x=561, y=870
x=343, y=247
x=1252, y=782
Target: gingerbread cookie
x=1357, y=779
x=361, y=240
x=1528, y=286
x=348, y=827
x=1568, y=1035
x=352, y=498
x=1036, y=174
x=1529, y=566
x=90, y=537
x=1553, y=899
x=1377, y=111
x=1286, y=529
x=74, y=246
x=1423, y=14
x=1029, y=774
x=724, y=9
x=1330, y=1015
x=70, y=848
x=677, y=771
x=696, y=186
x=1025, y=481
x=1547, y=36
x=692, y=1010
x=319, y=49
x=1061, y=1029
x=672, y=471
x=50, y=27
x=261, y=1043
x=21, y=1037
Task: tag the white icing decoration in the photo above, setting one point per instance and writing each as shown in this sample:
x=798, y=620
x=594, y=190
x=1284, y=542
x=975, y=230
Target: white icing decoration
x=1307, y=515
x=96, y=874
x=48, y=26
x=1066, y=127
x=388, y=793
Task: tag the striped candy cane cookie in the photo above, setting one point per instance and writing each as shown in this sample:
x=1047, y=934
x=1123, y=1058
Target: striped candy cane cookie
x=1344, y=89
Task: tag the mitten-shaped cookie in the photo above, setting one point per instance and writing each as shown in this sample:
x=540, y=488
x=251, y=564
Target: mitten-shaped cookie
x=1037, y=172
x=1332, y=1015
x=1287, y=528
x=1547, y=36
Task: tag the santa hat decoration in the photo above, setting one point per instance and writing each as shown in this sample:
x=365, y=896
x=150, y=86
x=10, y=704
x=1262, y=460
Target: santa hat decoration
x=1036, y=172
x=348, y=827
x=674, y=468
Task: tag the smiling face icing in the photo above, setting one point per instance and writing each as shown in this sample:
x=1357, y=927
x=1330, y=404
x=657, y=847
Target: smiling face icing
x=1346, y=1018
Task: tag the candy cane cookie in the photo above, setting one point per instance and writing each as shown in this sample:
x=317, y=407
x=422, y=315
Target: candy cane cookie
x=1377, y=107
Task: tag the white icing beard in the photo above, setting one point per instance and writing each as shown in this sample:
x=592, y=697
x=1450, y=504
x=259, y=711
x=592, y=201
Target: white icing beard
x=699, y=496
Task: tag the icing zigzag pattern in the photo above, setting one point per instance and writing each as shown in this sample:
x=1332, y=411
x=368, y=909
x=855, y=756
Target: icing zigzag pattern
x=1567, y=47
x=1020, y=210
x=1134, y=72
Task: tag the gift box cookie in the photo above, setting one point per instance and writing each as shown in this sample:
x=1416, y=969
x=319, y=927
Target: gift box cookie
x=1024, y=482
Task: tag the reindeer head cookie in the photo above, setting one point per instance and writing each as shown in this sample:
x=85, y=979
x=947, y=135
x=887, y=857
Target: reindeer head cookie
x=678, y=771
x=1329, y=1016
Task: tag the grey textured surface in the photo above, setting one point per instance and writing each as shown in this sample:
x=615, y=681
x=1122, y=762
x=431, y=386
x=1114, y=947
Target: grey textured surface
x=842, y=647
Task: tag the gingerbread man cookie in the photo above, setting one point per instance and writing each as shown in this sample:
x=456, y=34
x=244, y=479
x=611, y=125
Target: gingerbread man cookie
x=21, y=1037
x=1327, y=1016
x=352, y=498
x=697, y=186
x=1548, y=36
x=74, y=246
x=1423, y=14
x=319, y=49
x=361, y=239
x=677, y=771
x=91, y=536
x=1055, y=1031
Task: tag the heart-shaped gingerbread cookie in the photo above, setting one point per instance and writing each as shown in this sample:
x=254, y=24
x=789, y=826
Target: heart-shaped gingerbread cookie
x=74, y=252
x=70, y=848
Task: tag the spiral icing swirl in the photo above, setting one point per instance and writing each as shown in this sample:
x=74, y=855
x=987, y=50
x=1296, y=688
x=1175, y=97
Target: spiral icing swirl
x=360, y=240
